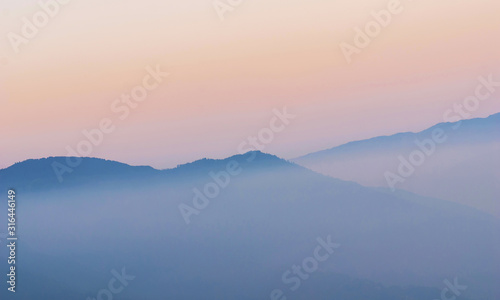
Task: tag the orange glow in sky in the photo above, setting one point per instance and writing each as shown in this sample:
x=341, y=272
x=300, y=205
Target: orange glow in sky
x=227, y=76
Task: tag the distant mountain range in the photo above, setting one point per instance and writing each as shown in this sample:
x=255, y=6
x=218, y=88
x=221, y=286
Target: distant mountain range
x=38, y=175
x=258, y=216
x=463, y=166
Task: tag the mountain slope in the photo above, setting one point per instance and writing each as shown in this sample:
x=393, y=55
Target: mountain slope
x=263, y=220
x=461, y=165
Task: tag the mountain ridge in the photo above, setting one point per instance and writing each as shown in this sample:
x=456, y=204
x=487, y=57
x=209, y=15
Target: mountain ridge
x=382, y=138
x=457, y=162
x=59, y=159
x=34, y=174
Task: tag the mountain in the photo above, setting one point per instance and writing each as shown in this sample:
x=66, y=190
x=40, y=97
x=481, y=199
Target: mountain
x=56, y=173
x=235, y=228
x=458, y=162
x=36, y=175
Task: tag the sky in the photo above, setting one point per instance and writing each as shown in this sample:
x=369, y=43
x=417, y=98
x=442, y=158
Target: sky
x=229, y=69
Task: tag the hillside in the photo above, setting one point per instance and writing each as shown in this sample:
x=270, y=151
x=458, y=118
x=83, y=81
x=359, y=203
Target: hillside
x=261, y=221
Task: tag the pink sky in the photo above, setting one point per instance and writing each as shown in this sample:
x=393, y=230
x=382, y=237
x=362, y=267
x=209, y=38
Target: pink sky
x=227, y=76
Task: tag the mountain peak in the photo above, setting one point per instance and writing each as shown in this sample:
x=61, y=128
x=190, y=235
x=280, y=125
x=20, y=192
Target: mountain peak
x=249, y=159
